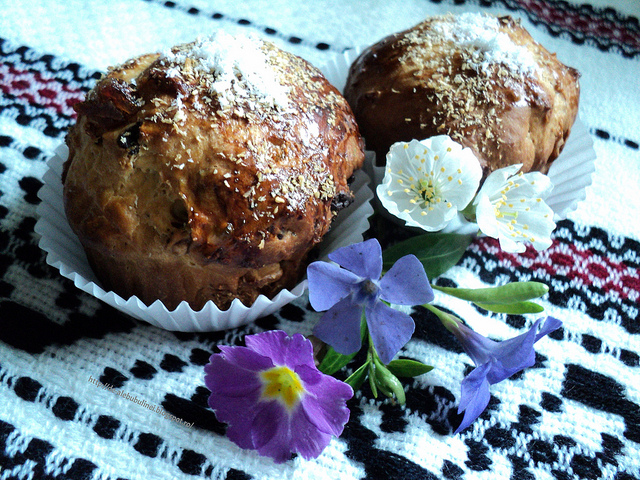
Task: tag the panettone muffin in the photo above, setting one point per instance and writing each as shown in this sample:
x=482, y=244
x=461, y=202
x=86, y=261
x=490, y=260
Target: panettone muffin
x=208, y=172
x=480, y=79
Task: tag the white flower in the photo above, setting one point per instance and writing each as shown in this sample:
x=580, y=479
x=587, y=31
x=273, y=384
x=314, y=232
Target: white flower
x=512, y=209
x=426, y=183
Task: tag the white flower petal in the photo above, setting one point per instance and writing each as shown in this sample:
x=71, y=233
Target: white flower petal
x=427, y=182
x=485, y=216
x=511, y=246
x=512, y=209
x=497, y=179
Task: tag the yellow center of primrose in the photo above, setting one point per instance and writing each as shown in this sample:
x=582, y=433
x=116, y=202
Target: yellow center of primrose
x=283, y=384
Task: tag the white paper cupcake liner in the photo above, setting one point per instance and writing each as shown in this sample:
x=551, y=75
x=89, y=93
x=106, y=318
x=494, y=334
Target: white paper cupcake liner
x=570, y=173
x=65, y=253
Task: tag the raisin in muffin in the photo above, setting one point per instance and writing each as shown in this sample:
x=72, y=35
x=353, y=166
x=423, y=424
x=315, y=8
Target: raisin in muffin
x=208, y=172
x=480, y=79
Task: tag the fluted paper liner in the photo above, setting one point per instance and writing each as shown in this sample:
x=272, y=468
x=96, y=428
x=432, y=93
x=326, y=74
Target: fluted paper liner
x=65, y=253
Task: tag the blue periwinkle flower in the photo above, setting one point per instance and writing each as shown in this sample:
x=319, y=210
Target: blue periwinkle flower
x=344, y=290
x=495, y=361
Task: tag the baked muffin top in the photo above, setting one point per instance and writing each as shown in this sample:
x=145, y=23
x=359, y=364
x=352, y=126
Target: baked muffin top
x=480, y=79
x=226, y=150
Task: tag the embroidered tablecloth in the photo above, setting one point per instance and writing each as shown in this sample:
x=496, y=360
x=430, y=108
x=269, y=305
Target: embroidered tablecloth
x=63, y=354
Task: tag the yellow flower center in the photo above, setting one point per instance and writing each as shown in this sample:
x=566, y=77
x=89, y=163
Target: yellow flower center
x=283, y=384
x=427, y=190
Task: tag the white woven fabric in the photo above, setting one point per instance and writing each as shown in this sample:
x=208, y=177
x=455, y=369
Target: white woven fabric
x=575, y=414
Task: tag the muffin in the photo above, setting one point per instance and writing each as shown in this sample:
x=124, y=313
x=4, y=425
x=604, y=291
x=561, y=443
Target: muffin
x=480, y=79
x=208, y=172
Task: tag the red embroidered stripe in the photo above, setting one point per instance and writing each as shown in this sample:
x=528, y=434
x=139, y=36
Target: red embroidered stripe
x=38, y=90
x=575, y=263
x=587, y=22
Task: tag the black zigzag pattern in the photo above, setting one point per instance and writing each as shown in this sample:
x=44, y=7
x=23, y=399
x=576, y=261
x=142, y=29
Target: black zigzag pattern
x=66, y=408
x=41, y=118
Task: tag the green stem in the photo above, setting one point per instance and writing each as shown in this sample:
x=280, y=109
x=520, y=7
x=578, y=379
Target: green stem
x=450, y=322
x=469, y=212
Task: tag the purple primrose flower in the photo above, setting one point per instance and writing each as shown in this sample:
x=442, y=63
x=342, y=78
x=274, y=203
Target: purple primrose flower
x=273, y=397
x=495, y=361
x=344, y=292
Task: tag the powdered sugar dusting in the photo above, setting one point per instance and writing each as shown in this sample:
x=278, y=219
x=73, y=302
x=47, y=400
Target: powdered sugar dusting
x=481, y=35
x=239, y=67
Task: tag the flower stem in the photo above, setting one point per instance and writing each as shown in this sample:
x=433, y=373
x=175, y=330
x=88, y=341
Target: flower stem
x=469, y=212
x=449, y=321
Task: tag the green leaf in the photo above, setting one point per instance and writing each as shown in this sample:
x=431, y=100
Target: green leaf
x=519, y=308
x=405, y=367
x=356, y=379
x=510, y=293
x=437, y=252
x=334, y=361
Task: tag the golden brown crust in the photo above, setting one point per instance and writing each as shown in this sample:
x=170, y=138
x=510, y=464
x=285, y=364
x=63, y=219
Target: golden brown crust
x=178, y=194
x=427, y=81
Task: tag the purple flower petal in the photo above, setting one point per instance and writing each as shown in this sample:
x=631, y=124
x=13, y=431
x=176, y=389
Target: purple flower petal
x=340, y=327
x=363, y=259
x=278, y=434
x=475, y=396
x=495, y=361
x=390, y=330
x=226, y=378
x=476, y=346
x=267, y=425
x=244, y=357
x=513, y=355
x=238, y=413
x=406, y=283
x=328, y=284
x=550, y=324
x=307, y=440
x=281, y=348
x=275, y=425
x=325, y=403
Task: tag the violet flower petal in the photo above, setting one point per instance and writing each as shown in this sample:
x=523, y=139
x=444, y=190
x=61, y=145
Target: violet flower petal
x=340, y=327
x=270, y=431
x=274, y=426
x=517, y=353
x=281, y=348
x=328, y=284
x=325, y=402
x=307, y=440
x=478, y=347
x=238, y=413
x=475, y=395
x=363, y=259
x=226, y=378
x=244, y=357
x=550, y=324
x=406, y=283
x=390, y=330
x=495, y=361
x=513, y=355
